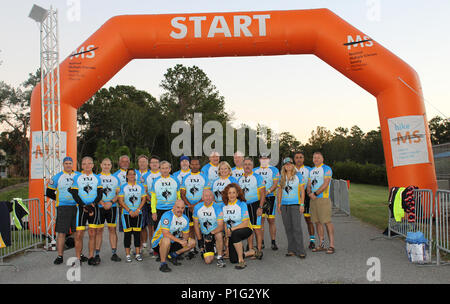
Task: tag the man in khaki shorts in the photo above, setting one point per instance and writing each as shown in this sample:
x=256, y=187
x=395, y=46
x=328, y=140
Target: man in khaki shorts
x=319, y=192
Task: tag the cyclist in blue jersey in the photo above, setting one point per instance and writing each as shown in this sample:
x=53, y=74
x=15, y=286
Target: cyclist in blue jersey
x=171, y=238
x=184, y=169
x=141, y=174
x=121, y=174
x=66, y=210
x=209, y=227
x=149, y=178
x=271, y=176
x=290, y=203
x=255, y=192
x=87, y=191
x=164, y=192
x=299, y=159
x=191, y=192
x=237, y=221
x=238, y=170
x=211, y=169
x=220, y=183
x=319, y=192
x=132, y=199
x=108, y=210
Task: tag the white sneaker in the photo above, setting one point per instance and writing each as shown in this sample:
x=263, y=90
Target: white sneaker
x=139, y=258
x=128, y=259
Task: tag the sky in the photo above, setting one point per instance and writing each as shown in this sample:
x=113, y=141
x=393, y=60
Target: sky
x=257, y=89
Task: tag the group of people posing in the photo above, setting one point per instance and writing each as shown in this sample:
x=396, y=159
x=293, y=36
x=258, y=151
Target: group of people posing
x=218, y=206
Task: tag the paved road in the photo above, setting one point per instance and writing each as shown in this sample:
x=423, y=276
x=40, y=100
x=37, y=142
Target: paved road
x=354, y=246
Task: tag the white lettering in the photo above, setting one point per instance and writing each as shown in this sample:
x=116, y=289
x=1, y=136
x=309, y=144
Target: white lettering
x=197, y=25
x=238, y=26
x=215, y=29
x=182, y=27
x=262, y=23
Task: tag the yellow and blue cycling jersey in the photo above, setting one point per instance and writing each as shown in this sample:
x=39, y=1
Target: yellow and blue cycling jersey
x=237, y=172
x=121, y=174
x=164, y=192
x=87, y=186
x=235, y=213
x=211, y=171
x=132, y=196
x=172, y=223
x=218, y=185
x=304, y=171
x=110, y=185
x=251, y=185
x=61, y=183
x=194, y=184
x=140, y=176
x=270, y=175
x=149, y=178
x=291, y=192
x=181, y=174
x=317, y=176
x=207, y=216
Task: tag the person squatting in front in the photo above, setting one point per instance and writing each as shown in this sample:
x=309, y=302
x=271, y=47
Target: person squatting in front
x=236, y=218
x=209, y=227
x=132, y=199
x=171, y=237
x=87, y=191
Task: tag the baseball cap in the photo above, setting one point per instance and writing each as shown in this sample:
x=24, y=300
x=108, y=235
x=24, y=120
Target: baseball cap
x=67, y=158
x=287, y=160
x=184, y=157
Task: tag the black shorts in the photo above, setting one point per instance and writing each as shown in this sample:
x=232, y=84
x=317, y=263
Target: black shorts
x=271, y=212
x=131, y=223
x=255, y=220
x=188, y=213
x=159, y=214
x=109, y=216
x=66, y=219
x=307, y=206
x=146, y=215
x=236, y=237
x=84, y=218
x=174, y=246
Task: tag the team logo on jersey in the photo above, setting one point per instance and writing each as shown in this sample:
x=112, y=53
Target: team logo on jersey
x=288, y=188
x=314, y=182
x=87, y=188
x=133, y=199
x=217, y=193
x=166, y=222
x=230, y=222
x=207, y=224
x=245, y=189
x=194, y=190
x=166, y=194
x=107, y=190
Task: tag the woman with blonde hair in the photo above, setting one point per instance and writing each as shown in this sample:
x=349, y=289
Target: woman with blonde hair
x=220, y=183
x=290, y=203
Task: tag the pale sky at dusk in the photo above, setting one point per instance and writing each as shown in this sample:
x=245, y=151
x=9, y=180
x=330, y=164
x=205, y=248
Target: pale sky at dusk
x=265, y=89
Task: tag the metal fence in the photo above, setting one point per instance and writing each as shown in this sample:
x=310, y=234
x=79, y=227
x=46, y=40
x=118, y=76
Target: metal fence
x=422, y=220
x=30, y=236
x=339, y=195
x=442, y=214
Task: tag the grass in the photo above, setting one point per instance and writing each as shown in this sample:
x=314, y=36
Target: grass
x=21, y=192
x=369, y=203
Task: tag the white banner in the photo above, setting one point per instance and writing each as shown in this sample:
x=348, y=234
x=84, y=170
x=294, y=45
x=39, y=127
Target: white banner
x=408, y=140
x=37, y=153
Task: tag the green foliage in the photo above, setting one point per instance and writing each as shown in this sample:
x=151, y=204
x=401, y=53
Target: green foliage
x=6, y=182
x=360, y=173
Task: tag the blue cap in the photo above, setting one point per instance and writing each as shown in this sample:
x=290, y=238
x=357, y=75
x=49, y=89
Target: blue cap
x=184, y=157
x=67, y=158
x=287, y=160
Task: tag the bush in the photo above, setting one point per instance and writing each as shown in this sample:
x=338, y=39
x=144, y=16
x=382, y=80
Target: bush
x=5, y=182
x=360, y=173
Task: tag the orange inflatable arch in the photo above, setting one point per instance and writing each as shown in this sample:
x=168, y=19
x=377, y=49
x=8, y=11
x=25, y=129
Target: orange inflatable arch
x=396, y=86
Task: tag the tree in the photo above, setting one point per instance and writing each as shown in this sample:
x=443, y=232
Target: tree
x=439, y=130
x=15, y=114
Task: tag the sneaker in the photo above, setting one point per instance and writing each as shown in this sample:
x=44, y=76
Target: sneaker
x=164, y=268
x=115, y=258
x=312, y=245
x=174, y=261
x=128, y=259
x=258, y=254
x=221, y=263
x=240, y=266
x=97, y=259
x=83, y=258
x=59, y=260
x=274, y=246
x=190, y=255
x=92, y=262
x=139, y=258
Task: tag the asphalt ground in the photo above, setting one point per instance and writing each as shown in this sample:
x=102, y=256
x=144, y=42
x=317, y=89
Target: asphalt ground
x=357, y=244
